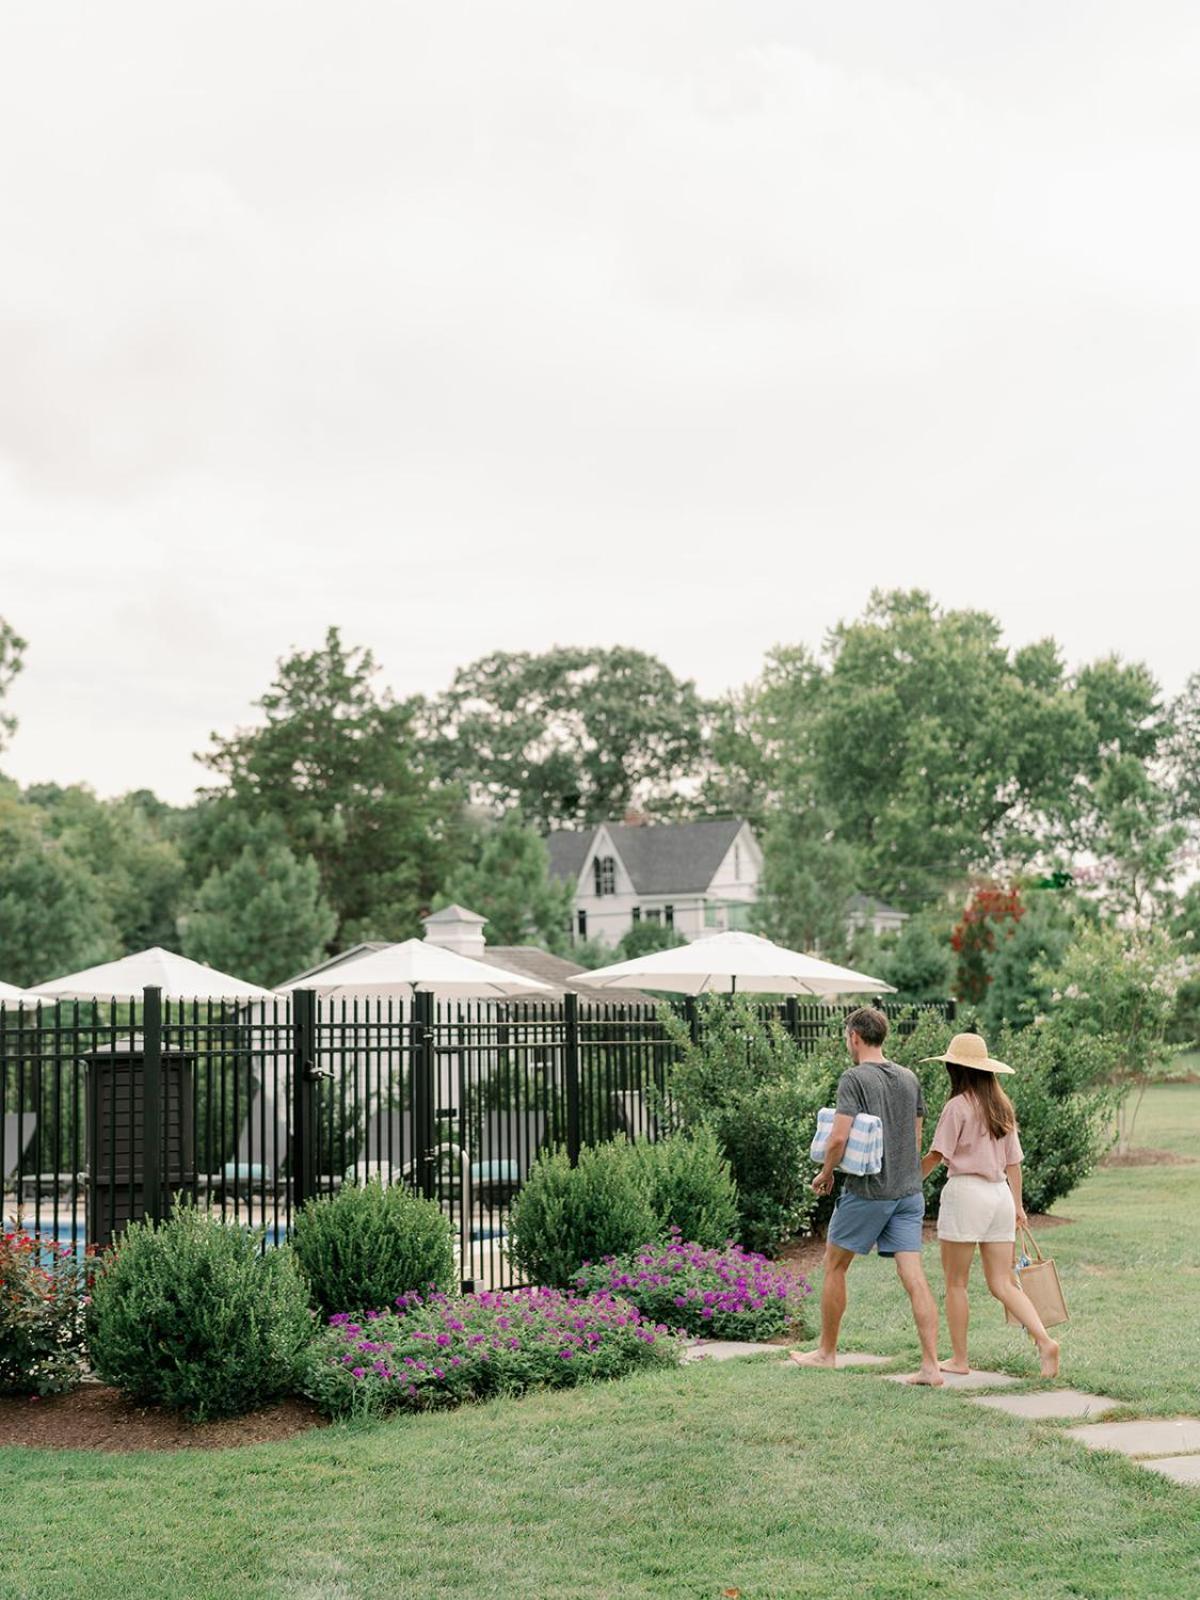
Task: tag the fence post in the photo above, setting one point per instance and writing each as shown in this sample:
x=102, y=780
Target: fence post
x=571, y=1074
x=424, y=1078
x=304, y=1129
x=152, y=1075
x=791, y=1016
x=692, y=1014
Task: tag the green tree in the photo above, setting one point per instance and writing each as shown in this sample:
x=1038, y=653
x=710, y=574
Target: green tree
x=918, y=962
x=12, y=652
x=1018, y=991
x=341, y=768
x=54, y=917
x=570, y=736
x=130, y=846
x=644, y=938
x=261, y=917
x=808, y=875
x=1118, y=986
x=508, y=881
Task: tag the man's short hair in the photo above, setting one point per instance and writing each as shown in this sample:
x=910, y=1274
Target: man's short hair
x=870, y=1025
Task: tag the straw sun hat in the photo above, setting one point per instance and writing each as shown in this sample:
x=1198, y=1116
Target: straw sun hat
x=969, y=1050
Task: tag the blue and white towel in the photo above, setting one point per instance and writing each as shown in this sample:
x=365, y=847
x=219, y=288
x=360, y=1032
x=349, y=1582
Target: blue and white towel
x=864, y=1149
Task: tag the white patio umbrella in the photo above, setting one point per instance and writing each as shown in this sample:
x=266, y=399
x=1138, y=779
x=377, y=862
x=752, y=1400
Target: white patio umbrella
x=724, y=963
x=176, y=976
x=12, y=996
x=401, y=969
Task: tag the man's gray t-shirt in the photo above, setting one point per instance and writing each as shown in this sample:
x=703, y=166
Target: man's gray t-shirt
x=893, y=1094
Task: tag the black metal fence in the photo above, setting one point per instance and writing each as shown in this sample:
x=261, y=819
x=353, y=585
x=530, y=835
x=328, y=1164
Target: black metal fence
x=108, y=1110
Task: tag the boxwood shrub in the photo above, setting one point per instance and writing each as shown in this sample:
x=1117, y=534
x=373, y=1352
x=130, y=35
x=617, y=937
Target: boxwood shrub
x=370, y=1243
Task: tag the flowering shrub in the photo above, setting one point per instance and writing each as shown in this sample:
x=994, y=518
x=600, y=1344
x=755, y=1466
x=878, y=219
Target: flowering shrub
x=729, y=1293
x=42, y=1294
x=192, y=1314
x=442, y=1350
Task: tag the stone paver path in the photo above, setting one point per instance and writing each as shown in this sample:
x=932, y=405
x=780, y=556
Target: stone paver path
x=1184, y=1469
x=1048, y=1403
x=963, y=1380
x=725, y=1349
x=1169, y=1446
x=1171, y=1436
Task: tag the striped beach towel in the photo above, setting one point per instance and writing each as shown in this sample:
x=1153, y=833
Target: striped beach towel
x=864, y=1149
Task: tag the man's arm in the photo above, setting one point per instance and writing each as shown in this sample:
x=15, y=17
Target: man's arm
x=839, y=1137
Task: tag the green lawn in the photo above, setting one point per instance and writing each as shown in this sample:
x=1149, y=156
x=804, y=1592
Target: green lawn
x=779, y=1483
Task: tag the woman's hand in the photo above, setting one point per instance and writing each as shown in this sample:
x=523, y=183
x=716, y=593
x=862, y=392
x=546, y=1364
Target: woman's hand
x=1022, y=1219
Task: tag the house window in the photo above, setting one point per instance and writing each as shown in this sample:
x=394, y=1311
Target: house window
x=581, y=924
x=737, y=862
x=637, y=913
x=669, y=916
x=654, y=914
x=604, y=875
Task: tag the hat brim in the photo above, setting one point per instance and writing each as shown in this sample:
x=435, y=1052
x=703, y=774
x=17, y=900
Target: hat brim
x=988, y=1065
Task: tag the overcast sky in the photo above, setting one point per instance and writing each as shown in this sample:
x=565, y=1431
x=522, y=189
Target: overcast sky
x=487, y=326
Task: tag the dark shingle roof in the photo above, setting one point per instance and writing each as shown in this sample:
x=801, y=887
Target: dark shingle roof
x=867, y=903
x=664, y=858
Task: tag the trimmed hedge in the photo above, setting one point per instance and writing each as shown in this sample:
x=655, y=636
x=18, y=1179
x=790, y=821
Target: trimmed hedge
x=370, y=1243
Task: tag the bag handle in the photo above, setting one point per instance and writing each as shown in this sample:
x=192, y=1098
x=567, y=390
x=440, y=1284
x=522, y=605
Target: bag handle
x=1030, y=1244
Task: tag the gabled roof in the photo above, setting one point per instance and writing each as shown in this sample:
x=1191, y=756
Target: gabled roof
x=664, y=858
x=336, y=961
x=562, y=975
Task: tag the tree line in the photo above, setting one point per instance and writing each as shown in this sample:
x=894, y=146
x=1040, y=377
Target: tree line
x=913, y=755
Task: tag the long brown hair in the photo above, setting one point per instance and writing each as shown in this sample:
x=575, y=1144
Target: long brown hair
x=985, y=1090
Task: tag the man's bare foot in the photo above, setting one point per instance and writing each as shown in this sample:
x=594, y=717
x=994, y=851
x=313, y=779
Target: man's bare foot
x=960, y=1367
x=1049, y=1355
x=813, y=1358
x=927, y=1378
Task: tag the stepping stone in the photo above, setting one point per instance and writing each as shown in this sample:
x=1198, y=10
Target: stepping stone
x=960, y=1380
x=725, y=1350
x=1153, y=1437
x=1048, y=1403
x=1184, y=1469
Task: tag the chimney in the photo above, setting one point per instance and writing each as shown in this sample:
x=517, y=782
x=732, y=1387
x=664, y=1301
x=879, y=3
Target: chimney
x=634, y=818
x=455, y=928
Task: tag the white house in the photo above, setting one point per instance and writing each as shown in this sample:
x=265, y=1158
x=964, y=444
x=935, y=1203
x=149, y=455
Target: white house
x=865, y=911
x=695, y=877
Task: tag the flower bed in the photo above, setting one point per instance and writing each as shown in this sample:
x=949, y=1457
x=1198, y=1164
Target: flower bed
x=729, y=1293
x=442, y=1350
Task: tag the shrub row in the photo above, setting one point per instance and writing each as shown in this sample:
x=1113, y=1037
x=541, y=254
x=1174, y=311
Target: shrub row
x=619, y=1197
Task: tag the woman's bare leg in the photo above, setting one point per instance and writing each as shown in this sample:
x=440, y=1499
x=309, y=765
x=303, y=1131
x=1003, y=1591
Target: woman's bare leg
x=998, y=1270
x=956, y=1268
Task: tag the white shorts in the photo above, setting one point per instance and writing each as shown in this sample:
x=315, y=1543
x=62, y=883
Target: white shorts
x=977, y=1211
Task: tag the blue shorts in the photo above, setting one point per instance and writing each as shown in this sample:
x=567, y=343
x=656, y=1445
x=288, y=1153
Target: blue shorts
x=888, y=1225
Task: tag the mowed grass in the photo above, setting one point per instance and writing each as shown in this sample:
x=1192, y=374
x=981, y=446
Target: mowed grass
x=751, y=1475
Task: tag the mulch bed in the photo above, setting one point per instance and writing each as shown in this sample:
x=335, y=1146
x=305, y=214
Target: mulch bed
x=96, y=1417
x=1143, y=1157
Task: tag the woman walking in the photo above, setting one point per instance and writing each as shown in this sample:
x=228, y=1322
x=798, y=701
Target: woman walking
x=976, y=1137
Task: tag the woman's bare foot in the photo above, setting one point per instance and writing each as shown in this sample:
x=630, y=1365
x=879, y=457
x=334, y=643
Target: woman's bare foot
x=960, y=1367
x=928, y=1378
x=813, y=1358
x=1049, y=1355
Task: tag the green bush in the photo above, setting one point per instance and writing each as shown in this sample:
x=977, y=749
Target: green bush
x=567, y=1215
x=42, y=1287
x=369, y=1244
x=1062, y=1118
x=192, y=1314
x=690, y=1187
x=749, y=1083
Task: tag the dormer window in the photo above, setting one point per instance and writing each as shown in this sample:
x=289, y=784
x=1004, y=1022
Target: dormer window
x=604, y=873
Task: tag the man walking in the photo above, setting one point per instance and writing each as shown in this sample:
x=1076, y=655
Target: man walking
x=884, y=1210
